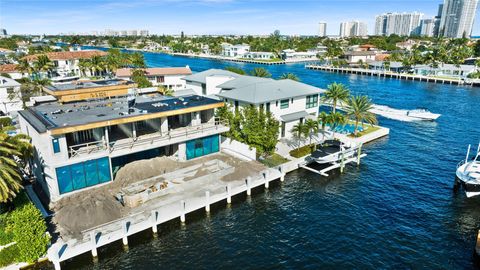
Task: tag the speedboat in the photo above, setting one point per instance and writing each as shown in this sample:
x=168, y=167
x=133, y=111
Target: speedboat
x=423, y=114
x=331, y=151
x=468, y=174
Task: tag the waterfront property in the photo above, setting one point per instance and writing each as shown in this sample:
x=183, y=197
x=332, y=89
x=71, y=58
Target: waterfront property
x=10, y=96
x=238, y=50
x=259, y=55
x=170, y=78
x=84, y=143
x=446, y=70
x=66, y=64
x=289, y=101
x=356, y=56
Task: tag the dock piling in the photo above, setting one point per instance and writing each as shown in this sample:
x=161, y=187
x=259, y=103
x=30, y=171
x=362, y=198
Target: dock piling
x=182, y=209
x=229, y=194
x=207, y=201
x=265, y=175
x=153, y=219
x=125, y=233
x=342, y=162
x=359, y=154
x=93, y=241
x=282, y=178
x=249, y=189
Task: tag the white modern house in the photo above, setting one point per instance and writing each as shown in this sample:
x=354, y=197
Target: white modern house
x=10, y=96
x=67, y=63
x=83, y=143
x=290, y=54
x=364, y=56
x=237, y=51
x=259, y=55
x=171, y=77
x=444, y=70
x=289, y=101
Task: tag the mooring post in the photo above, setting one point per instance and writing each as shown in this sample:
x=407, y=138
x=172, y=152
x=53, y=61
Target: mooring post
x=282, y=177
x=342, y=164
x=153, y=219
x=93, y=241
x=207, y=201
x=229, y=194
x=249, y=189
x=182, y=209
x=359, y=154
x=125, y=233
x=265, y=175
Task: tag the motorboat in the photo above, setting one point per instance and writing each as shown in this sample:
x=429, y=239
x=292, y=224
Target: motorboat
x=331, y=151
x=468, y=174
x=423, y=114
x=404, y=115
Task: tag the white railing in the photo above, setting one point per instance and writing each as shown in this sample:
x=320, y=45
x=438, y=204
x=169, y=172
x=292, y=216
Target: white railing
x=86, y=148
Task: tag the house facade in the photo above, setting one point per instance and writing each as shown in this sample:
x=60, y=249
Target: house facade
x=170, y=78
x=82, y=144
x=10, y=96
x=238, y=50
x=12, y=71
x=290, y=102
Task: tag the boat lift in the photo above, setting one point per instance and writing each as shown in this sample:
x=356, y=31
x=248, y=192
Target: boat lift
x=346, y=156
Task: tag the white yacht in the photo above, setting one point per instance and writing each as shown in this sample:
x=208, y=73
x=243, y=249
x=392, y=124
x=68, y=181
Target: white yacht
x=468, y=174
x=404, y=115
x=331, y=151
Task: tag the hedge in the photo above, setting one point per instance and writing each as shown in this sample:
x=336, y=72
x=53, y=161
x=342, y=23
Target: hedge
x=8, y=255
x=302, y=151
x=5, y=121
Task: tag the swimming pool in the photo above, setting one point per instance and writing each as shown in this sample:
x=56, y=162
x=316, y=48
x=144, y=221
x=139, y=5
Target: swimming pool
x=347, y=128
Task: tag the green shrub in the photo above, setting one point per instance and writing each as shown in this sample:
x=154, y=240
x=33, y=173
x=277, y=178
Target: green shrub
x=9, y=255
x=28, y=228
x=6, y=237
x=302, y=151
x=5, y=121
x=273, y=160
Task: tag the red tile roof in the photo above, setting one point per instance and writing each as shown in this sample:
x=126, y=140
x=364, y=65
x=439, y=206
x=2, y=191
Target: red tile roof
x=381, y=57
x=8, y=68
x=67, y=55
x=125, y=72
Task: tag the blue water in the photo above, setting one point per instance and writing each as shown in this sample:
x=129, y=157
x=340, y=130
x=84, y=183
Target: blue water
x=396, y=211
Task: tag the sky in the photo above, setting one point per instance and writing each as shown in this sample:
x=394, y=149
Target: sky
x=200, y=17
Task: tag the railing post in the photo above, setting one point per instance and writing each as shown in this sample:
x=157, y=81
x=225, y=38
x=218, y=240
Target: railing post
x=207, y=201
x=182, y=209
x=93, y=242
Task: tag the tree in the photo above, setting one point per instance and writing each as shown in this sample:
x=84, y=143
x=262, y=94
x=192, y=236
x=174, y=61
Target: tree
x=165, y=91
x=336, y=92
x=138, y=76
x=13, y=149
x=311, y=126
x=260, y=72
x=44, y=64
x=289, y=76
x=137, y=60
x=323, y=118
x=335, y=119
x=358, y=109
x=299, y=130
x=96, y=65
x=236, y=70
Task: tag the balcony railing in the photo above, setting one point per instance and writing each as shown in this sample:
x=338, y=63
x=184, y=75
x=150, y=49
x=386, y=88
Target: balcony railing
x=128, y=143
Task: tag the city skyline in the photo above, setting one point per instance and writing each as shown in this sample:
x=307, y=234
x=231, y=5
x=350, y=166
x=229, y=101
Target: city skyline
x=216, y=16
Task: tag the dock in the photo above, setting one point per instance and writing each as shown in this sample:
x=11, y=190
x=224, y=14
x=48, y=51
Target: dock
x=389, y=74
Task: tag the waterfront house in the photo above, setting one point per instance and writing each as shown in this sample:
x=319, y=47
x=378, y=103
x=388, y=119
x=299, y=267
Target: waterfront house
x=354, y=57
x=67, y=63
x=290, y=54
x=289, y=101
x=386, y=66
x=12, y=71
x=237, y=51
x=170, y=78
x=259, y=55
x=10, y=96
x=82, y=144
x=446, y=70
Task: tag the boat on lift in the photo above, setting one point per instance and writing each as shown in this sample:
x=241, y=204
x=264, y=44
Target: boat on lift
x=331, y=151
x=468, y=174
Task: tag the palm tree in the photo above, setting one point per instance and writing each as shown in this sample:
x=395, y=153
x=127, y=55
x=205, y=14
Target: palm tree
x=336, y=92
x=358, y=109
x=96, y=64
x=236, y=70
x=336, y=119
x=25, y=67
x=298, y=130
x=311, y=128
x=165, y=91
x=289, y=76
x=137, y=60
x=260, y=72
x=43, y=63
x=83, y=65
x=12, y=148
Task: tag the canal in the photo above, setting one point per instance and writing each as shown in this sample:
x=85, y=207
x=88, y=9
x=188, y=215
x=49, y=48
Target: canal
x=397, y=210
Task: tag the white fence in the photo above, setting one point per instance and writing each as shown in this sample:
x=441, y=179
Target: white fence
x=238, y=149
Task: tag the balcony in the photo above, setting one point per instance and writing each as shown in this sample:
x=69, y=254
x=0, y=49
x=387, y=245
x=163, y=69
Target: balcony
x=148, y=141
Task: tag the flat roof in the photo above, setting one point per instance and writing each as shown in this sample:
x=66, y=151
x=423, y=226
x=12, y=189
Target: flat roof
x=87, y=84
x=50, y=116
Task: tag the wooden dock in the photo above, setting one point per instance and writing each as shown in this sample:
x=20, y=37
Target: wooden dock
x=388, y=74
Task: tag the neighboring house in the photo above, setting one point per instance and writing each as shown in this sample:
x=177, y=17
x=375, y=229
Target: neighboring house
x=386, y=66
x=237, y=51
x=290, y=54
x=406, y=45
x=171, y=78
x=355, y=56
x=447, y=70
x=11, y=69
x=66, y=63
x=289, y=101
x=10, y=96
x=259, y=55
x=83, y=144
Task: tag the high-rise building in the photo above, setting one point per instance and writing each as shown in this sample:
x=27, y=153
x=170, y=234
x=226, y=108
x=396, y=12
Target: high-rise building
x=353, y=29
x=402, y=24
x=143, y=33
x=322, y=29
x=457, y=18
x=3, y=32
x=427, y=27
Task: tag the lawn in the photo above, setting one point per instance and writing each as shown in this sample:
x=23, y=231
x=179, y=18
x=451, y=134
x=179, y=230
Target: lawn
x=367, y=130
x=273, y=160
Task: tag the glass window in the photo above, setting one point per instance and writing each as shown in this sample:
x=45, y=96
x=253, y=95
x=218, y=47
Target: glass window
x=284, y=104
x=103, y=166
x=78, y=176
x=56, y=145
x=202, y=147
x=311, y=101
x=83, y=174
x=91, y=173
x=64, y=179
